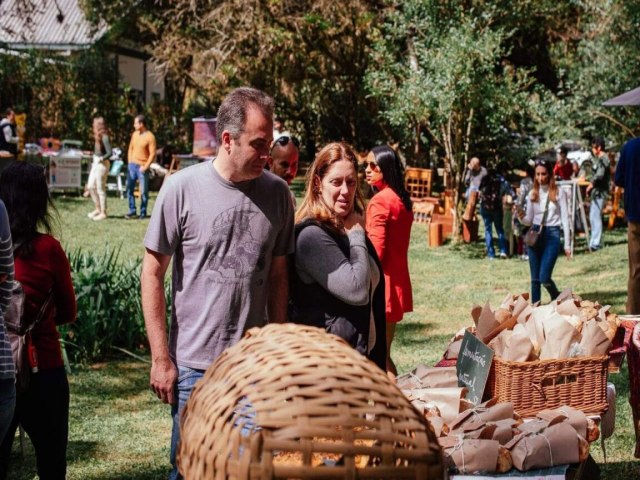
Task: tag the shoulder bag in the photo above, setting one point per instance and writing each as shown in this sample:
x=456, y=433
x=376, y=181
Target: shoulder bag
x=533, y=234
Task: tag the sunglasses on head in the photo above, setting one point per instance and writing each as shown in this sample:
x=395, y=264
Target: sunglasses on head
x=284, y=140
x=541, y=163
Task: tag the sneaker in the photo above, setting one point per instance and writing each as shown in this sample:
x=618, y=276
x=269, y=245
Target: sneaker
x=100, y=216
x=93, y=214
x=503, y=255
x=130, y=216
x=142, y=217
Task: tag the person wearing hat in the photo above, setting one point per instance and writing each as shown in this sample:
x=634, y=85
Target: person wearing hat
x=563, y=168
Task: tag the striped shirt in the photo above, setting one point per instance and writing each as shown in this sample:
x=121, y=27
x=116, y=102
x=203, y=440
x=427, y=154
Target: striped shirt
x=7, y=369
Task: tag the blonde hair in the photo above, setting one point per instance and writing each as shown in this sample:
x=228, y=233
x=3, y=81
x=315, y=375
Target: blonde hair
x=312, y=205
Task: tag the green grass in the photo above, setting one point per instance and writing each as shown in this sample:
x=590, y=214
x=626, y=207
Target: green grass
x=118, y=429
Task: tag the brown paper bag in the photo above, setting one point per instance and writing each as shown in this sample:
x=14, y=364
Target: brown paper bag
x=536, y=331
x=476, y=430
x=558, y=339
x=504, y=430
x=488, y=413
x=568, y=308
x=471, y=456
x=499, y=344
x=428, y=377
x=594, y=341
x=486, y=322
x=555, y=445
x=575, y=418
x=520, y=348
x=446, y=399
x=438, y=424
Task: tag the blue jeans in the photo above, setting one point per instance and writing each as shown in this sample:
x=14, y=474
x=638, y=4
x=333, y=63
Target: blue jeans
x=542, y=259
x=187, y=378
x=490, y=217
x=595, y=219
x=7, y=404
x=134, y=174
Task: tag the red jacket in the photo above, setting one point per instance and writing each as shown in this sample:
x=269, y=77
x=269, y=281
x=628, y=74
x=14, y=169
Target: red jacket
x=47, y=268
x=389, y=228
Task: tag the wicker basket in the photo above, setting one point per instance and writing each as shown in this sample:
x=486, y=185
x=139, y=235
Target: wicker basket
x=534, y=386
x=289, y=398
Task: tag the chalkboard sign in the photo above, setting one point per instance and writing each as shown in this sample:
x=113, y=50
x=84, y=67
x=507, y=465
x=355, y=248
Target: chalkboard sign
x=474, y=364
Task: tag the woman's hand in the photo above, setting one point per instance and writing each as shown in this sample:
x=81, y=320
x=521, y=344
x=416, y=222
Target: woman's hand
x=567, y=253
x=353, y=221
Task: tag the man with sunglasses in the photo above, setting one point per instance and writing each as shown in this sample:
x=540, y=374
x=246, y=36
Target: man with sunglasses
x=283, y=159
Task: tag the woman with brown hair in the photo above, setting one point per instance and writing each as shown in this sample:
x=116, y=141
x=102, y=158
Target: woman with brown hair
x=546, y=211
x=337, y=281
x=97, y=184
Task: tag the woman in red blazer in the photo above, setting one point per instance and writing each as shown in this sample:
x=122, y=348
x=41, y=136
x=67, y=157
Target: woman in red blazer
x=388, y=224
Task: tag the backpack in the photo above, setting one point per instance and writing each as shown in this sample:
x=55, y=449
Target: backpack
x=490, y=188
x=19, y=332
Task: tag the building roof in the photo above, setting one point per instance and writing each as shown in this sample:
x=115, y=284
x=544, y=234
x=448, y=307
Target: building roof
x=50, y=24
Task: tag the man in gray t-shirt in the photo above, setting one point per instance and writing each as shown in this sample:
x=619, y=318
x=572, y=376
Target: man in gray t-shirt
x=229, y=228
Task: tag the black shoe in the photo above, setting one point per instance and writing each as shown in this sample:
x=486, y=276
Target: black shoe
x=142, y=217
x=130, y=216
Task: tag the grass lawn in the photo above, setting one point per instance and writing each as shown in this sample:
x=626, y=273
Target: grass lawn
x=119, y=430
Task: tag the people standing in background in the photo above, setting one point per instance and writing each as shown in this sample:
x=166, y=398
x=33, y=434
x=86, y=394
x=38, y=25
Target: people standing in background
x=42, y=268
x=627, y=176
x=279, y=130
x=526, y=184
x=493, y=188
x=7, y=370
x=598, y=189
x=142, y=153
x=473, y=176
x=388, y=225
x=283, y=160
x=8, y=133
x=546, y=211
x=97, y=183
x=563, y=170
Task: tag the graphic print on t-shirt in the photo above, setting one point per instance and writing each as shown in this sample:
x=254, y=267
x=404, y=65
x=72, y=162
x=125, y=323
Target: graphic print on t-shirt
x=235, y=245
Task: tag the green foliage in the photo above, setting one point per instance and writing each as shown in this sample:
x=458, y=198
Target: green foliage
x=109, y=305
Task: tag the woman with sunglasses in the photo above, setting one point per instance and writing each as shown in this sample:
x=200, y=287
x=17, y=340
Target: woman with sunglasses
x=336, y=280
x=546, y=211
x=389, y=220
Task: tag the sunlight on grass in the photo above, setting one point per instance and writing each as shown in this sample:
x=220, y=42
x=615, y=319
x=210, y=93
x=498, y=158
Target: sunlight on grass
x=120, y=430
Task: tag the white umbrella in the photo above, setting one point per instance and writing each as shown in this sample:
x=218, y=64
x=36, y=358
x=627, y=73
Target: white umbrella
x=630, y=98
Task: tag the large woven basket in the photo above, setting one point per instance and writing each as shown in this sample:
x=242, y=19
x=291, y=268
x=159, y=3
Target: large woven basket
x=534, y=386
x=290, y=401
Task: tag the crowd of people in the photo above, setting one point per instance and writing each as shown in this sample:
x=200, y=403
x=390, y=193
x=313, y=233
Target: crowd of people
x=243, y=255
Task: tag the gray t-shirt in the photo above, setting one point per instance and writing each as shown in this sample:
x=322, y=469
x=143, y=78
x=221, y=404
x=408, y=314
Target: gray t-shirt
x=222, y=236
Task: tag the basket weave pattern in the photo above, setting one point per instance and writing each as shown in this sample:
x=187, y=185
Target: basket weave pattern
x=534, y=386
x=289, y=397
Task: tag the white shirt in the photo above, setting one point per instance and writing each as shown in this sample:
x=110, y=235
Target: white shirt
x=558, y=214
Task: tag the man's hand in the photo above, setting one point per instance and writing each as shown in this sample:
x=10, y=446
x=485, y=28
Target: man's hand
x=164, y=376
x=143, y=169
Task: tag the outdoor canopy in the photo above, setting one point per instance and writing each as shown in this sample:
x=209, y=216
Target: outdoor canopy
x=630, y=98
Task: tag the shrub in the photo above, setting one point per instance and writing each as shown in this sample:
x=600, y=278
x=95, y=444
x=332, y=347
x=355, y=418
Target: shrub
x=109, y=306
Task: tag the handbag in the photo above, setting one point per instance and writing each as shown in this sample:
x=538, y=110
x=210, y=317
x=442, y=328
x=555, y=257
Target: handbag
x=533, y=234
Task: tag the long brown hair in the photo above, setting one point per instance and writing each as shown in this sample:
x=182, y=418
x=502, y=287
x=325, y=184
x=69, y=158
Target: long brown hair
x=553, y=188
x=99, y=129
x=312, y=205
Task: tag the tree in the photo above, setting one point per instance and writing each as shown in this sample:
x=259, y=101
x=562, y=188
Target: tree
x=441, y=79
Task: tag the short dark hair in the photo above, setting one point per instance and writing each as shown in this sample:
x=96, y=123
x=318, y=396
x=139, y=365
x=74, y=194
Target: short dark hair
x=563, y=150
x=9, y=111
x=232, y=114
x=141, y=119
x=598, y=142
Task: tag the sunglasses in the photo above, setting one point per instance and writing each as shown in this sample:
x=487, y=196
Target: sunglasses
x=541, y=163
x=371, y=165
x=284, y=140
